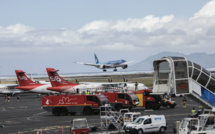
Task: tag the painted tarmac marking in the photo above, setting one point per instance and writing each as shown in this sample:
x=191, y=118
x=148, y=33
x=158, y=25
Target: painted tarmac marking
x=30, y=118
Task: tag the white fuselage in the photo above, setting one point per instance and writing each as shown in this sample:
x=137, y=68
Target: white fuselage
x=42, y=89
x=9, y=89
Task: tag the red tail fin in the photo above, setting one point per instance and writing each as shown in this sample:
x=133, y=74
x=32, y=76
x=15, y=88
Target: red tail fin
x=24, y=80
x=56, y=80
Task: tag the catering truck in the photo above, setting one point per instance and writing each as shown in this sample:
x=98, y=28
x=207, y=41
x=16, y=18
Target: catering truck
x=65, y=104
x=121, y=100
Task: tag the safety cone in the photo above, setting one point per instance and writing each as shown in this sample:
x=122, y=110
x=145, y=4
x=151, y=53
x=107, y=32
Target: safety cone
x=62, y=130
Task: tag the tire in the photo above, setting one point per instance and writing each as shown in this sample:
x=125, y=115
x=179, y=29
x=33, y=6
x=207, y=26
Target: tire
x=87, y=111
x=118, y=107
x=140, y=131
x=64, y=111
x=150, y=105
x=56, y=111
x=111, y=127
x=172, y=106
x=162, y=130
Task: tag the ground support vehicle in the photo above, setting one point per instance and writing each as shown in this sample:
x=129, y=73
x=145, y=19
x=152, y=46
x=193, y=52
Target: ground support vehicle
x=153, y=101
x=121, y=100
x=80, y=126
x=65, y=104
x=146, y=124
x=204, y=124
x=129, y=117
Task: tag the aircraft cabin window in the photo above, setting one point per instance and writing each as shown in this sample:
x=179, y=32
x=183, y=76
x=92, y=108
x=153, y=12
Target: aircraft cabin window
x=195, y=74
x=211, y=85
x=203, y=79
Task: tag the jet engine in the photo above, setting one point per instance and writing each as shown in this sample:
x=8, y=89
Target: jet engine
x=124, y=67
x=102, y=66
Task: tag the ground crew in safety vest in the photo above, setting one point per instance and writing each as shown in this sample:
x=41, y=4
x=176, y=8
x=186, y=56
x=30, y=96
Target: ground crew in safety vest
x=88, y=92
x=193, y=111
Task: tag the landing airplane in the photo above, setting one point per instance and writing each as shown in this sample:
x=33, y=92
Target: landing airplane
x=107, y=65
x=9, y=89
x=27, y=84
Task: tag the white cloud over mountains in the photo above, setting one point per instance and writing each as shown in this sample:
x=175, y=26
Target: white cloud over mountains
x=130, y=34
x=150, y=33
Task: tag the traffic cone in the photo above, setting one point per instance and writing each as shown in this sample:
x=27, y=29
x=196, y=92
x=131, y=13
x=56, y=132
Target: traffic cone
x=62, y=130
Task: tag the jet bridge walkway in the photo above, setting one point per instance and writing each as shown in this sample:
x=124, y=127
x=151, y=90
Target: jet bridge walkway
x=178, y=76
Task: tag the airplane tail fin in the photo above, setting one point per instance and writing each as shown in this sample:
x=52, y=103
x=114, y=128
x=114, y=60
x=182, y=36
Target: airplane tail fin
x=56, y=80
x=96, y=59
x=24, y=80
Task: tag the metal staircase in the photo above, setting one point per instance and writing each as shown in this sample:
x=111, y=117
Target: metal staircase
x=110, y=118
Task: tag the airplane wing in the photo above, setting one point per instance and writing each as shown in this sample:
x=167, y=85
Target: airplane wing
x=128, y=62
x=88, y=64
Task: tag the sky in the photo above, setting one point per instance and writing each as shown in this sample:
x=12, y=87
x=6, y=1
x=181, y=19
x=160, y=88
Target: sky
x=36, y=34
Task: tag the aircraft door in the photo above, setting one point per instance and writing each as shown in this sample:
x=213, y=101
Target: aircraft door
x=161, y=76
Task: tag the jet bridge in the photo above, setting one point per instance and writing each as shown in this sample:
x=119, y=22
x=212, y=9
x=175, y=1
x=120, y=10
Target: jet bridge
x=178, y=76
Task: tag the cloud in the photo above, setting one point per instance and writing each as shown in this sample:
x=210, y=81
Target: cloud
x=207, y=11
x=133, y=34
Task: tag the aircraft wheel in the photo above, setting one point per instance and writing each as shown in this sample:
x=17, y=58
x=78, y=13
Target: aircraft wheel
x=56, y=111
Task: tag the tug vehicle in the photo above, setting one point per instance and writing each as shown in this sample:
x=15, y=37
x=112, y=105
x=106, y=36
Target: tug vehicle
x=204, y=124
x=65, y=104
x=121, y=100
x=80, y=126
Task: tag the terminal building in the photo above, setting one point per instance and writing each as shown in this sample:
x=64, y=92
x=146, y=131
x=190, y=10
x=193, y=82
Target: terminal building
x=178, y=76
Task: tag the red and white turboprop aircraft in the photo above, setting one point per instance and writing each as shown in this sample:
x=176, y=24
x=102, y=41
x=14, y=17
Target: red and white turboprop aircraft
x=27, y=84
x=61, y=85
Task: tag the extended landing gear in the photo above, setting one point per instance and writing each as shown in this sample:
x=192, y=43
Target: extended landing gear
x=115, y=69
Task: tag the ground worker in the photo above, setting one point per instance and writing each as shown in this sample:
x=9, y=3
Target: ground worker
x=136, y=85
x=184, y=103
x=193, y=111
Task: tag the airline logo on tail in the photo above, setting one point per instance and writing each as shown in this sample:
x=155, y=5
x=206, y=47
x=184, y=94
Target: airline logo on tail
x=55, y=78
x=22, y=78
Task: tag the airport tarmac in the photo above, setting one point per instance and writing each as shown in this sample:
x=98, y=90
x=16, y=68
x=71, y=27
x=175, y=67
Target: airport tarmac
x=27, y=116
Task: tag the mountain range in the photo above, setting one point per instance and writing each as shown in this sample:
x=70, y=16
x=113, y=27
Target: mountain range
x=203, y=59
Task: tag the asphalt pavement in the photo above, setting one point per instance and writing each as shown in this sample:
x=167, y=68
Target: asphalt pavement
x=27, y=117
